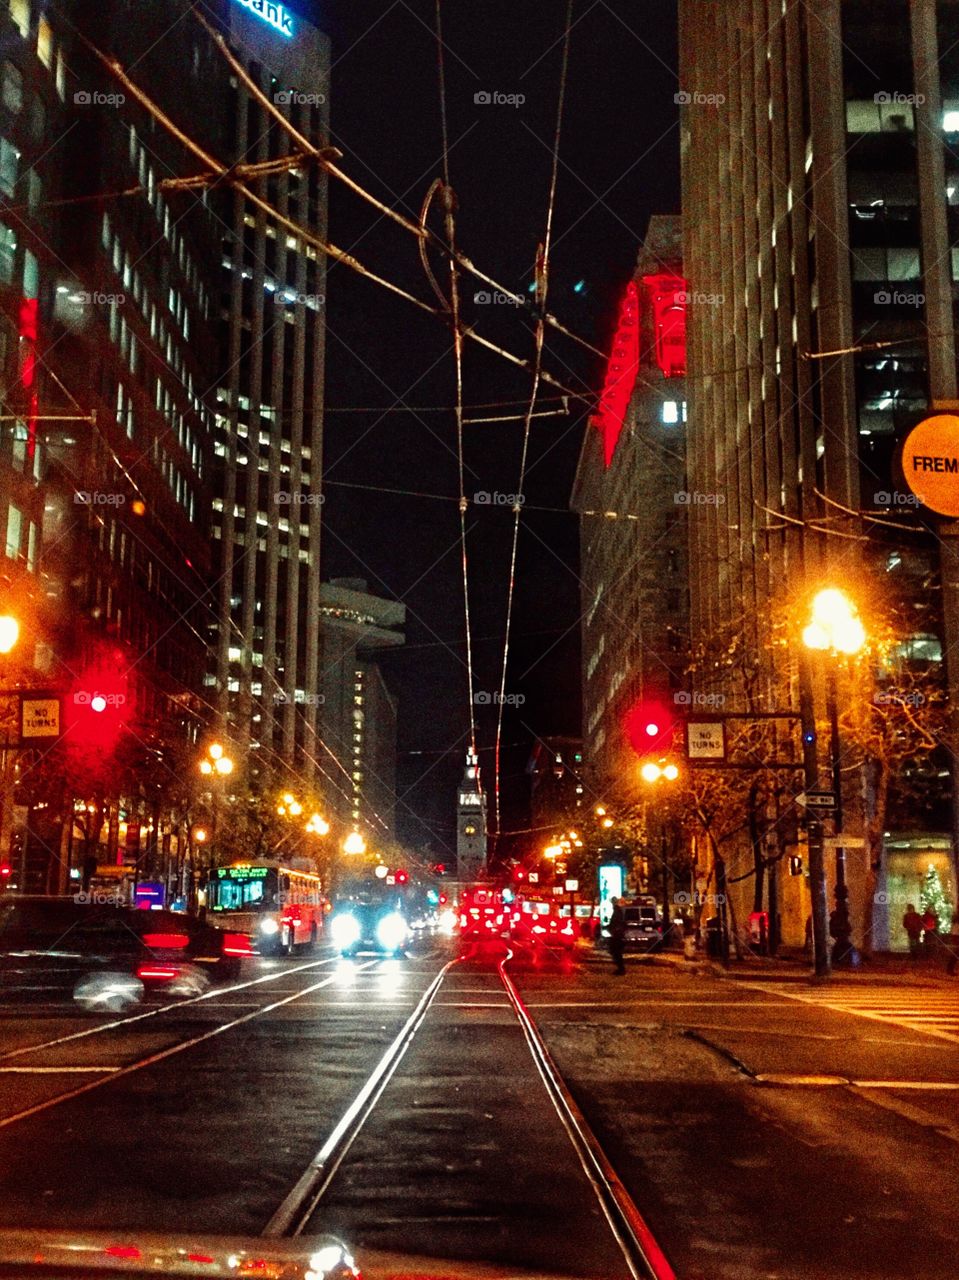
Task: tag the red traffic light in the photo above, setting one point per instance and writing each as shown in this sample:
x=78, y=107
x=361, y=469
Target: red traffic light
x=443, y=899
x=5, y=870
x=649, y=727
x=402, y=877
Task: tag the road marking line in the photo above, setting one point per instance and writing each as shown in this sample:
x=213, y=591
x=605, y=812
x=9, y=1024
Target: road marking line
x=164, y=1053
x=852, y=1004
x=52, y=1071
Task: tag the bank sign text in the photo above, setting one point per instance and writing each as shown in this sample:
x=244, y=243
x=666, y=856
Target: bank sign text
x=277, y=15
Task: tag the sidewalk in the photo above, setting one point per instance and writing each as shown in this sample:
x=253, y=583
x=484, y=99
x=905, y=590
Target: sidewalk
x=793, y=965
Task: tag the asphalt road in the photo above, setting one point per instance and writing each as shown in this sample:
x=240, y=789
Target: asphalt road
x=764, y=1129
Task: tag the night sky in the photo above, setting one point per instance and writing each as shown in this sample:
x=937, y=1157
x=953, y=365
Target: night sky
x=619, y=163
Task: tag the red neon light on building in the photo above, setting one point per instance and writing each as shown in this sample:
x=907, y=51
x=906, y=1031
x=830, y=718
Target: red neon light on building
x=667, y=295
x=621, y=374
x=29, y=331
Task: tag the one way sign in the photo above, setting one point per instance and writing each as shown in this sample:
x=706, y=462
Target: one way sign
x=817, y=799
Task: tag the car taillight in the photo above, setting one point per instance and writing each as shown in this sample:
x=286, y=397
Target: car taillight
x=166, y=941
x=162, y=971
x=237, y=944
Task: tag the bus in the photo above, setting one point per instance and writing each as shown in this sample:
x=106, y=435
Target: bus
x=482, y=912
x=280, y=906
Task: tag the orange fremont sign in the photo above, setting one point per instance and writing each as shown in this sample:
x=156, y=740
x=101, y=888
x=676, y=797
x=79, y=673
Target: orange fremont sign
x=930, y=463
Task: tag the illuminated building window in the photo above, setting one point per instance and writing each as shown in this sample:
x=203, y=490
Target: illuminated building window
x=673, y=411
x=45, y=42
x=14, y=531
x=12, y=88
x=9, y=162
x=20, y=14
x=8, y=249
x=31, y=276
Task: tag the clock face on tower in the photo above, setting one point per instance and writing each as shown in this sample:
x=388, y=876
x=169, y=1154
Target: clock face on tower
x=470, y=799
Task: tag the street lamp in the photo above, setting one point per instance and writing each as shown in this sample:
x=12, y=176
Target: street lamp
x=835, y=628
x=354, y=843
x=9, y=633
x=318, y=826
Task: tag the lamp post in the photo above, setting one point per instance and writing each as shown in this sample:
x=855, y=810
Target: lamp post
x=654, y=772
x=215, y=765
x=835, y=628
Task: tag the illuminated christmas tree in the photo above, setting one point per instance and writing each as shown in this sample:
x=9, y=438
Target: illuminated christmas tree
x=932, y=895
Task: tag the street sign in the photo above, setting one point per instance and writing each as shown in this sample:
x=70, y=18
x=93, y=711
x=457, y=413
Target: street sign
x=533, y=877
x=572, y=886
x=705, y=740
x=39, y=718
x=817, y=799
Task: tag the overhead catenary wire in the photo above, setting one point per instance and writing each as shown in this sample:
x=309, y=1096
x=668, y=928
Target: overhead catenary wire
x=542, y=290
x=408, y=224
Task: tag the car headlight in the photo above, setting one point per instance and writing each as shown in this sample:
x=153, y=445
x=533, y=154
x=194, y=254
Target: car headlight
x=391, y=931
x=269, y=925
x=345, y=930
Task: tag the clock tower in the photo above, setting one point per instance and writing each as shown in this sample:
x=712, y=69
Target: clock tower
x=470, y=823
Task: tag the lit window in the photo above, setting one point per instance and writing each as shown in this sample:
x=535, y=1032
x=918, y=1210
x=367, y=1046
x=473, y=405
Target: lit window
x=32, y=547
x=45, y=42
x=670, y=412
x=12, y=90
x=14, y=531
x=31, y=276
x=20, y=13
x=8, y=249
x=9, y=161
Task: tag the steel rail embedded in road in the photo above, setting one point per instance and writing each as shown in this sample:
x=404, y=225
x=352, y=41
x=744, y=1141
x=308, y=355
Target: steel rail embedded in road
x=299, y=1205
x=644, y=1257
x=162, y=1054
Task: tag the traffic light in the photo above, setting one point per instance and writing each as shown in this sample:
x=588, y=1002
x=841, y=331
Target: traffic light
x=402, y=876
x=97, y=706
x=650, y=724
x=6, y=871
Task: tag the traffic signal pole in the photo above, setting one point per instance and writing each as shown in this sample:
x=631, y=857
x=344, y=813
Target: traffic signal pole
x=817, y=862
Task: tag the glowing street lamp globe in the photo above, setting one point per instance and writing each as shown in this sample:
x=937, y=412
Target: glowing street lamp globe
x=224, y=765
x=354, y=843
x=650, y=772
x=215, y=751
x=9, y=633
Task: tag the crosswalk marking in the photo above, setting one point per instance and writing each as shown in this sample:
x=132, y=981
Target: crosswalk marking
x=930, y=1012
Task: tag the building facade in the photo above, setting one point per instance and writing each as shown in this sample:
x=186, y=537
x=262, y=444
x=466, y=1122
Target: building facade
x=358, y=713
x=820, y=194
x=630, y=494
x=471, y=830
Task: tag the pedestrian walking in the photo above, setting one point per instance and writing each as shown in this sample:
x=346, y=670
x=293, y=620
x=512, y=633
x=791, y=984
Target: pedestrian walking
x=617, y=936
x=930, y=926
x=913, y=924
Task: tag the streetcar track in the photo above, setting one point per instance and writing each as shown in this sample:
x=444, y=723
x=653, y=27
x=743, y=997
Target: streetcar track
x=162, y=1054
x=166, y=1008
x=642, y=1253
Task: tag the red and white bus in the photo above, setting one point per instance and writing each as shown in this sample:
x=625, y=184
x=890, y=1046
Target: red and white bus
x=482, y=912
x=280, y=906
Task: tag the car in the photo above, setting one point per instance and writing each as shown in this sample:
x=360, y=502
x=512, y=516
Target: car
x=108, y=956
x=357, y=926
x=644, y=931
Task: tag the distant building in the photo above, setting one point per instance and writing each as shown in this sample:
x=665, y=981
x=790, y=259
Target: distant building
x=630, y=495
x=356, y=756
x=471, y=847
x=557, y=793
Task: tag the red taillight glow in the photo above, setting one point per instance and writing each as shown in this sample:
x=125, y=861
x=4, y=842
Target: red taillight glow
x=237, y=944
x=199, y=1257
x=163, y=972
x=167, y=941
x=122, y=1251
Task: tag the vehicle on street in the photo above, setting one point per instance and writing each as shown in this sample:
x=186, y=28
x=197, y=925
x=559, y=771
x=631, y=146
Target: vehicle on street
x=107, y=956
x=644, y=929
x=370, y=922
x=483, y=913
x=280, y=906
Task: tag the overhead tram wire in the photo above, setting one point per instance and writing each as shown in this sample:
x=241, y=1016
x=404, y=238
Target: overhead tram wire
x=329, y=165
x=542, y=289
x=454, y=305
x=226, y=174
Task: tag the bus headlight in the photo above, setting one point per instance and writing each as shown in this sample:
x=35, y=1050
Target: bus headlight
x=269, y=926
x=391, y=931
x=345, y=930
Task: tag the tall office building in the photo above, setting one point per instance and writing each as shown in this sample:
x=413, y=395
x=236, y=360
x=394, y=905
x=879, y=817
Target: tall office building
x=629, y=492
x=357, y=756
x=268, y=435
x=821, y=204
